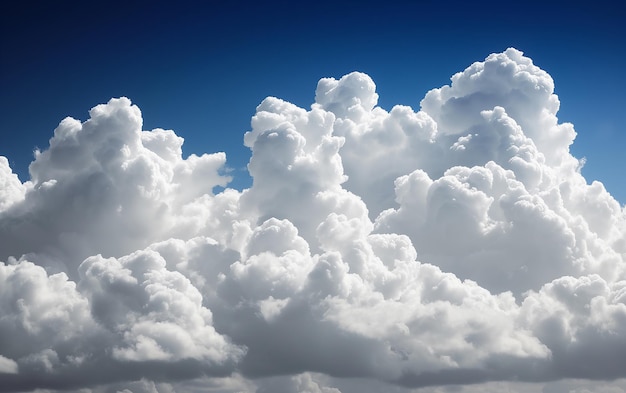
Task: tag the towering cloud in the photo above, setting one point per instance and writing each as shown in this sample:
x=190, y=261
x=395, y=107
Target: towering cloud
x=458, y=244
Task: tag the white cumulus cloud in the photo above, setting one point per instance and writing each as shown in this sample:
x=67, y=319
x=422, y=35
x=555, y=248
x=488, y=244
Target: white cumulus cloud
x=454, y=244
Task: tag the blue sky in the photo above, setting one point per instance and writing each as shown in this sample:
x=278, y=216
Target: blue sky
x=201, y=69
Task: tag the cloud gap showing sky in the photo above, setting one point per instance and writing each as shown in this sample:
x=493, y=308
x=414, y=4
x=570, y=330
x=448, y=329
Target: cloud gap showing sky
x=455, y=244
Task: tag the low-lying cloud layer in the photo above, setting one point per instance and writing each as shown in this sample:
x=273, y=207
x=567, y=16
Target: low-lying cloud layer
x=454, y=245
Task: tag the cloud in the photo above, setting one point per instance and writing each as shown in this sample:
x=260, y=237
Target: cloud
x=102, y=186
x=456, y=244
x=302, y=383
x=7, y=366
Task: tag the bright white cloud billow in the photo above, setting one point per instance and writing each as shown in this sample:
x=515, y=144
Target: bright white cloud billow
x=458, y=244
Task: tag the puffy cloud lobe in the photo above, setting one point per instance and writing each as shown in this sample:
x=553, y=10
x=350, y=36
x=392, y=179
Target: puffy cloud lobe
x=505, y=211
x=11, y=189
x=394, y=143
x=352, y=97
x=101, y=186
x=581, y=318
x=121, y=317
x=157, y=313
x=296, y=162
x=46, y=327
x=456, y=244
x=512, y=81
x=39, y=309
